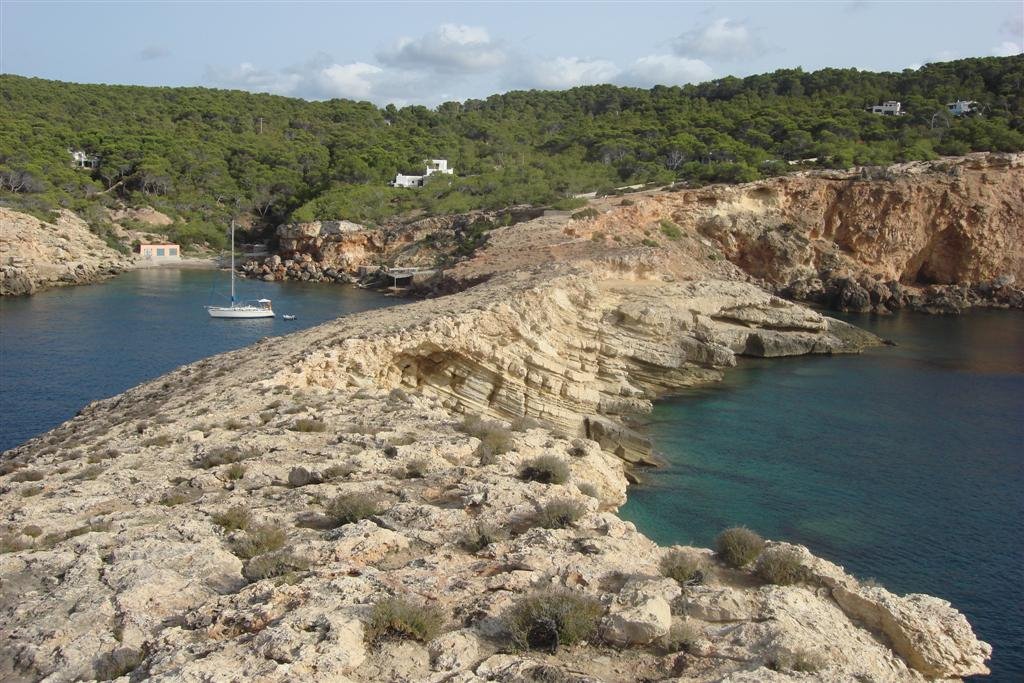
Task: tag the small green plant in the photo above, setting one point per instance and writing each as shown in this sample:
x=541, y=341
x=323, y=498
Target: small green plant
x=569, y=203
x=396, y=618
x=32, y=530
x=494, y=438
x=89, y=472
x=648, y=242
x=687, y=568
x=258, y=540
x=27, y=475
x=597, y=237
x=552, y=619
x=558, y=514
x=416, y=468
x=339, y=471
x=738, y=546
x=177, y=496
x=308, y=424
x=223, y=456
x=158, y=440
x=273, y=564
x=546, y=469
x=803, y=661
x=781, y=566
x=234, y=471
x=682, y=637
x=586, y=214
x=233, y=518
x=480, y=537
x=12, y=543
x=588, y=489
x=525, y=424
x=352, y=507
x=670, y=229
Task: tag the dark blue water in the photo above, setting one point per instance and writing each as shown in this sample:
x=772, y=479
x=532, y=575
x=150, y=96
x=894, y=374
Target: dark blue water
x=904, y=464
x=62, y=348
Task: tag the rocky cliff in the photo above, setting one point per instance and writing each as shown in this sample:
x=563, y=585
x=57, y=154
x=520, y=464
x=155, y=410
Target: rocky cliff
x=937, y=236
x=35, y=254
x=406, y=494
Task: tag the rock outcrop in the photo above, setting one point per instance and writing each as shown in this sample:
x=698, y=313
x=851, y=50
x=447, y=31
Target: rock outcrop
x=35, y=255
x=935, y=236
x=205, y=525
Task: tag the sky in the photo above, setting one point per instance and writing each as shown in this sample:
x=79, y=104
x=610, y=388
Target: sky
x=428, y=53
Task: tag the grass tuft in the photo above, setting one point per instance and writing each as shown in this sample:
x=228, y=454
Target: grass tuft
x=547, y=469
x=258, y=540
x=687, y=568
x=353, y=507
x=558, y=514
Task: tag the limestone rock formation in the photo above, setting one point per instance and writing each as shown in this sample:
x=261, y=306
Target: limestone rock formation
x=35, y=254
x=241, y=520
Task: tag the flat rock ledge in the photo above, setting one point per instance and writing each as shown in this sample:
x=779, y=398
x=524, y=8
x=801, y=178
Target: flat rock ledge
x=123, y=561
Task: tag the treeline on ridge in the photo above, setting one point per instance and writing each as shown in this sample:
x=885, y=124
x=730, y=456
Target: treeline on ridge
x=200, y=155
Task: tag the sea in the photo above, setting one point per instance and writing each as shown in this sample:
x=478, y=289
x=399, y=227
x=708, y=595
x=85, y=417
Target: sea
x=62, y=348
x=905, y=463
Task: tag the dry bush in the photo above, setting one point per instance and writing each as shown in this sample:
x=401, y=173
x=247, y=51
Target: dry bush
x=551, y=619
x=558, y=514
x=258, y=540
x=686, y=567
x=547, y=469
x=237, y=517
x=353, y=507
x=738, y=546
x=399, y=619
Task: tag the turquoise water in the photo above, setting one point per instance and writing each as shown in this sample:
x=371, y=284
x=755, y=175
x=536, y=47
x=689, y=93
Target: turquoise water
x=904, y=464
x=62, y=348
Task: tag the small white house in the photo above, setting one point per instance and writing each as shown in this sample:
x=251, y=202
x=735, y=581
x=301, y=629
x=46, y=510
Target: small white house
x=79, y=159
x=889, y=108
x=433, y=166
x=961, y=107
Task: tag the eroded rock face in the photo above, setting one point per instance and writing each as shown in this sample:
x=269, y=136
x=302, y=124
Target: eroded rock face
x=127, y=556
x=35, y=255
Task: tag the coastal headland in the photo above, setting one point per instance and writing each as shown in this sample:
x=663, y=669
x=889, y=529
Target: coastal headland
x=392, y=495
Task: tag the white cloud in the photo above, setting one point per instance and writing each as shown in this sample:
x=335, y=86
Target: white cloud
x=563, y=72
x=451, y=48
x=666, y=70
x=723, y=39
x=247, y=76
x=355, y=81
x=1007, y=48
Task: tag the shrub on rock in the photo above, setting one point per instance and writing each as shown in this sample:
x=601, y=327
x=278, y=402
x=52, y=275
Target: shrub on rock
x=738, y=546
x=233, y=518
x=547, y=469
x=552, y=619
x=396, y=618
x=258, y=540
x=687, y=568
x=559, y=514
x=352, y=507
x=270, y=565
x=781, y=566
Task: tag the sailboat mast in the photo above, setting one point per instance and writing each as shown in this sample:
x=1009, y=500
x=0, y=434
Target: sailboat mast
x=232, y=261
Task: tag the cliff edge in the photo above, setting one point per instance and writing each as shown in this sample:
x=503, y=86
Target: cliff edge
x=428, y=493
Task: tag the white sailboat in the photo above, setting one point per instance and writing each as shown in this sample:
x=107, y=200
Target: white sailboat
x=246, y=309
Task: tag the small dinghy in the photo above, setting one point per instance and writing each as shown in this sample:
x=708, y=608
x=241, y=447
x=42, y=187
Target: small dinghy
x=288, y=317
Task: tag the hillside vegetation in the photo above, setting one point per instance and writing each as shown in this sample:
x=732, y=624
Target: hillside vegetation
x=199, y=154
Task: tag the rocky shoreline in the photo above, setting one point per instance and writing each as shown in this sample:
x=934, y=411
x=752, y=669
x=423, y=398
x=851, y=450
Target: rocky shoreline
x=205, y=525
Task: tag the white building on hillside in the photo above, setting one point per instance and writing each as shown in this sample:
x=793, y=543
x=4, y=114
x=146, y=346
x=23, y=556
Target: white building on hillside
x=961, y=107
x=80, y=159
x=890, y=108
x=433, y=166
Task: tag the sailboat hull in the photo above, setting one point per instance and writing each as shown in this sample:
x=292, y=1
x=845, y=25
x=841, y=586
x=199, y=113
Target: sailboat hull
x=239, y=312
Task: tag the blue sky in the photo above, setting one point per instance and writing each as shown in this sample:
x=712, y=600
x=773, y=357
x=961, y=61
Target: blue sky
x=420, y=52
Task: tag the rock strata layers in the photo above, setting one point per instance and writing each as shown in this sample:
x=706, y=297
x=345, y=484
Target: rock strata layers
x=189, y=529
x=35, y=255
